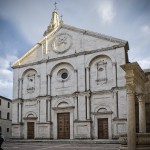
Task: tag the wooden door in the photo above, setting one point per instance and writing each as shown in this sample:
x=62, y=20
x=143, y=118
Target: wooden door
x=30, y=130
x=103, y=128
x=63, y=121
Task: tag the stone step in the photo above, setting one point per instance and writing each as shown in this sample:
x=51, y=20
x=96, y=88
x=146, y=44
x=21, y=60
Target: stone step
x=65, y=141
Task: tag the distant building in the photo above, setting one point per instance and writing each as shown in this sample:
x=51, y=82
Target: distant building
x=5, y=116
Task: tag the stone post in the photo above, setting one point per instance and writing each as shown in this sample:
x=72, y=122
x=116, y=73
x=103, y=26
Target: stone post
x=142, y=114
x=131, y=129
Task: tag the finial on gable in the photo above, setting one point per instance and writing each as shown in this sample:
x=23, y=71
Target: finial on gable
x=55, y=22
x=61, y=20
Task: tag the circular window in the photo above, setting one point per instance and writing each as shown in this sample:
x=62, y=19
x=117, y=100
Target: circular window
x=64, y=75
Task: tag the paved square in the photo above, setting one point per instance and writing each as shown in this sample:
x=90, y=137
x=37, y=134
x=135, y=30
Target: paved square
x=47, y=146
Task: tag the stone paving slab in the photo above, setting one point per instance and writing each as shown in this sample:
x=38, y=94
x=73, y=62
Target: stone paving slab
x=47, y=146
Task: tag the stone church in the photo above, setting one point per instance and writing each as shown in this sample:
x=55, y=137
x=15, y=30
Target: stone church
x=70, y=86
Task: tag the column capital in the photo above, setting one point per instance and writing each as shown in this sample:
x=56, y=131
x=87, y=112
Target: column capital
x=114, y=63
x=50, y=75
x=20, y=79
x=141, y=97
x=131, y=88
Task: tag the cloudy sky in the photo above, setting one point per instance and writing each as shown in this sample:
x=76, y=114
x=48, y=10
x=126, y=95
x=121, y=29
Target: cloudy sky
x=23, y=22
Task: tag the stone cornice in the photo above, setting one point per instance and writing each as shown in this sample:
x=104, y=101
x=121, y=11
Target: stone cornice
x=83, y=93
x=102, y=113
x=30, y=118
x=72, y=28
x=62, y=108
x=70, y=56
x=82, y=121
x=95, y=34
x=137, y=72
x=113, y=89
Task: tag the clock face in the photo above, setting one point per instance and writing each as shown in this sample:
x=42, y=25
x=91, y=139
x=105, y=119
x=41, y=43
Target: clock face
x=61, y=43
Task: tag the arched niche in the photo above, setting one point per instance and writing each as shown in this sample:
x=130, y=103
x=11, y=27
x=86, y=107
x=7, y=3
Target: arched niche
x=30, y=81
x=101, y=70
x=62, y=79
x=63, y=102
x=30, y=115
x=102, y=109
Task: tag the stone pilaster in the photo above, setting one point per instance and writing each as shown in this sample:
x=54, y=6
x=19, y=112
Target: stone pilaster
x=87, y=78
x=76, y=107
x=142, y=114
x=49, y=84
x=88, y=108
x=76, y=76
x=20, y=87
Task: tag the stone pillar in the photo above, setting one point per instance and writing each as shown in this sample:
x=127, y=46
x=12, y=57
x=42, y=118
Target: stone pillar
x=20, y=87
x=115, y=74
x=38, y=110
x=142, y=114
x=76, y=76
x=50, y=108
x=115, y=96
x=76, y=107
x=39, y=79
x=48, y=84
x=88, y=108
x=20, y=112
x=131, y=120
x=46, y=45
x=87, y=78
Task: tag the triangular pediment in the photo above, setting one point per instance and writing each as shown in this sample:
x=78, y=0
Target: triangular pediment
x=68, y=40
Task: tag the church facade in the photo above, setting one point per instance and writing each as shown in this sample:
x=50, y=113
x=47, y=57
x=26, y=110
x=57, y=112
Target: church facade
x=70, y=86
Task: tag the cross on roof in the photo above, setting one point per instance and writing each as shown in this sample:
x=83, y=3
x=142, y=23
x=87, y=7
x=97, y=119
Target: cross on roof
x=55, y=4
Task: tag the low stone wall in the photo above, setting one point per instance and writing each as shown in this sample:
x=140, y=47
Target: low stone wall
x=142, y=141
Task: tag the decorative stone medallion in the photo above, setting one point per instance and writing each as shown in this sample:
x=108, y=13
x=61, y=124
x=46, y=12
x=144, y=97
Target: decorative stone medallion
x=61, y=43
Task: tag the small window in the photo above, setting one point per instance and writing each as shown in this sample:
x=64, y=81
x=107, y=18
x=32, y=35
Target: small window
x=0, y=115
x=8, y=105
x=0, y=101
x=7, y=129
x=8, y=116
x=64, y=75
x=0, y=129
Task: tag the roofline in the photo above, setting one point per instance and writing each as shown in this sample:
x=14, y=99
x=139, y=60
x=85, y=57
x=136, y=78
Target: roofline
x=72, y=28
x=5, y=98
x=96, y=34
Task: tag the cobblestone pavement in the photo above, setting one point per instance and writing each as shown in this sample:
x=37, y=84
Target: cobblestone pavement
x=47, y=146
